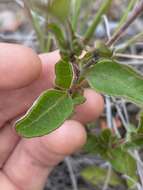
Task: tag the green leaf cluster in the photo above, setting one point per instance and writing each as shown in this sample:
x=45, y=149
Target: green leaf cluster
x=109, y=147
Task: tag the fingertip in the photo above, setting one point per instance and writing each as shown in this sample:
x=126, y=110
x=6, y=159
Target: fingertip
x=91, y=109
x=67, y=139
x=19, y=66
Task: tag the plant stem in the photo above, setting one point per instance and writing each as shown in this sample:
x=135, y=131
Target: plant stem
x=136, y=12
x=104, y=8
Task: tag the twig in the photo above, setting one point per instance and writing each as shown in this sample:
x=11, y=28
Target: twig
x=71, y=172
x=139, y=167
x=136, y=12
x=109, y=112
x=128, y=56
x=126, y=13
x=125, y=111
x=105, y=187
x=107, y=98
x=122, y=117
x=133, y=181
x=20, y=3
x=107, y=28
x=129, y=42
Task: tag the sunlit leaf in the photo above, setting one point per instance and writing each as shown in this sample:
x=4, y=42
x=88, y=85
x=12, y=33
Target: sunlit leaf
x=64, y=74
x=47, y=114
x=111, y=78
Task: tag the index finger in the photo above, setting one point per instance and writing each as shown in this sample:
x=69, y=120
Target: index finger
x=19, y=66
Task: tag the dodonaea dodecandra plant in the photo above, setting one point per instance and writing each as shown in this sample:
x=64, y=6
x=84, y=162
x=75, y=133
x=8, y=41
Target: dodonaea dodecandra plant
x=82, y=64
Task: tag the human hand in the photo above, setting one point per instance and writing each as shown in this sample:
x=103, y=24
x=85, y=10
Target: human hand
x=26, y=163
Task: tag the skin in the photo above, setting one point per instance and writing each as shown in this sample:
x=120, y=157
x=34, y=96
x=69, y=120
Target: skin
x=26, y=163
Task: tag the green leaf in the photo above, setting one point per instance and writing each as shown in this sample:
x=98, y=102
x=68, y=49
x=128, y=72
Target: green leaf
x=123, y=163
x=135, y=138
x=108, y=146
x=135, y=142
x=101, y=143
x=64, y=74
x=114, y=79
x=78, y=99
x=48, y=113
x=97, y=176
x=92, y=145
x=59, y=9
x=103, y=50
x=56, y=30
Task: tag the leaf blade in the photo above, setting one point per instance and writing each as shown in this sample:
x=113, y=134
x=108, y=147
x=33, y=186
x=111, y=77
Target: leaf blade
x=64, y=74
x=114, y=79
x=47, y=114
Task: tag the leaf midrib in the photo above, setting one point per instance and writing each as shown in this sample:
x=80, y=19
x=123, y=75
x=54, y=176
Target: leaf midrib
x=44, y=113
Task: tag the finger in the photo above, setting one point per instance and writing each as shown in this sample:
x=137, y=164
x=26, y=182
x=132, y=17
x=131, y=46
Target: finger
x=19, y=66
x=87, y=112
x=91, y=109
x=32, y=160
x=16, y=102
x=8, y=141
x=19, y=101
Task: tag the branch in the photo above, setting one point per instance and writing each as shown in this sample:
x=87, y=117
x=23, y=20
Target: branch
x=136, y=12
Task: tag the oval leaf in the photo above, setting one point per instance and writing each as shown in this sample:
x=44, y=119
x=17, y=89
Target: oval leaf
x=114, y=79
x=48, y=113
x=64, y=74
